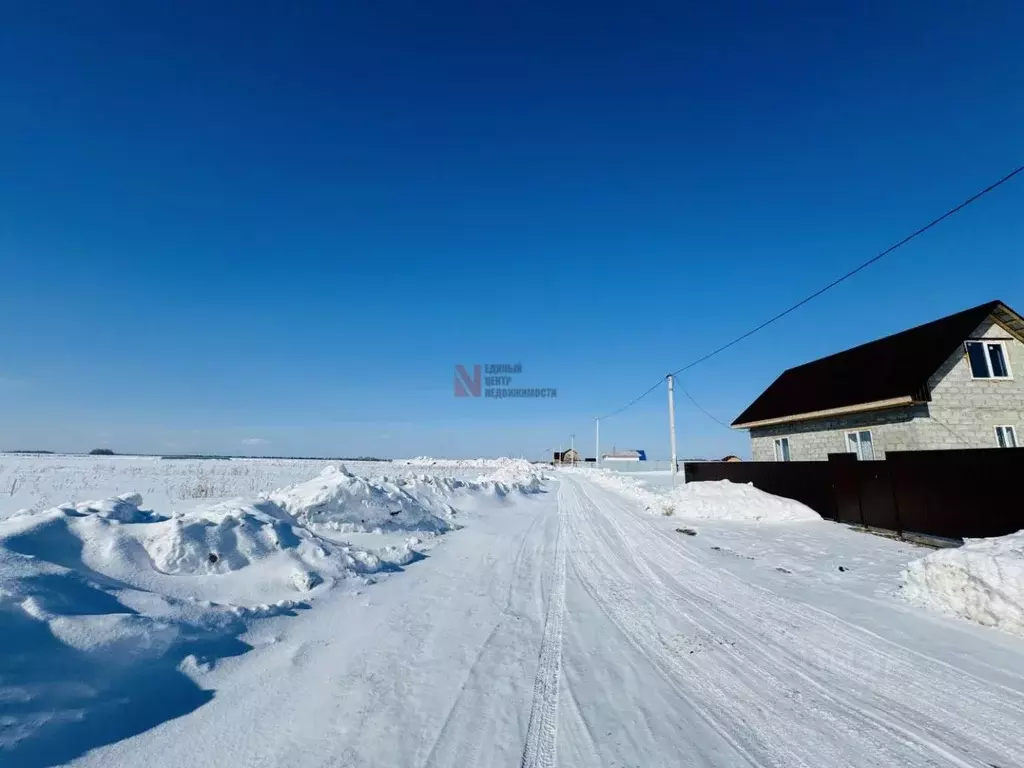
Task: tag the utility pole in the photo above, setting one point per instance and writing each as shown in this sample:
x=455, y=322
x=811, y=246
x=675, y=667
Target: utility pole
x=597, y=443
x=672, y=423
x=572, y=448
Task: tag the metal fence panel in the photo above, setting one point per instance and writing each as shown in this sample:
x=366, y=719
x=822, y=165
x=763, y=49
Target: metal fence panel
x=954, y=494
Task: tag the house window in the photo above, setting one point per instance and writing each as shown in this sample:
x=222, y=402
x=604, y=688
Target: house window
x=860, y=443
x=1006, y=437
x=782, y=449
x=988, y=359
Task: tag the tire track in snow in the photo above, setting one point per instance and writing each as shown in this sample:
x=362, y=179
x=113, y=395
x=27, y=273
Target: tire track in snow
x=542, y=732
x=832, y=689
x=470, y=722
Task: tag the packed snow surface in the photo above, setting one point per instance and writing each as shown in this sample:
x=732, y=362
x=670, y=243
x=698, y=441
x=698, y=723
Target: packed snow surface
x=712, y=500
x=982, y=581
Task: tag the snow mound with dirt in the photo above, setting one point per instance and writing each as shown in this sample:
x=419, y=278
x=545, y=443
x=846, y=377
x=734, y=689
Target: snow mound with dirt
x=342, y=501
x=982, y=581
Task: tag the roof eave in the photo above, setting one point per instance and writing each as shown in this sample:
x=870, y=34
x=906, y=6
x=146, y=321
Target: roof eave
x=877, y=405
x=1008, y=320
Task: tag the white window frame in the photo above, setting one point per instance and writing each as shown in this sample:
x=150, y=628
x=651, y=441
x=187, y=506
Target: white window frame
x=860, y=452
x=1008, y=430
x=988, y=361
x=782, y=454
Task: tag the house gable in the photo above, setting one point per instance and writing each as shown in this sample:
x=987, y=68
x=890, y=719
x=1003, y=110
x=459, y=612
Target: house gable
x=892, y=372
x=963, y=412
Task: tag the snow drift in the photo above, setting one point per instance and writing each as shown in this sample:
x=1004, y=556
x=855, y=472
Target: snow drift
x=725, y=500
x=982, y=581
x=342, y=501
x=346, y=502
x=710, y=500
x=104, y=605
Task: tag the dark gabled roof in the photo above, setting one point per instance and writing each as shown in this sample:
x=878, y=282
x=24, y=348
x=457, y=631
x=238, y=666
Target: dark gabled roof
x=896, y=366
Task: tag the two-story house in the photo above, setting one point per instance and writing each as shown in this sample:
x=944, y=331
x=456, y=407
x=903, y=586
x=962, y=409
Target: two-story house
x=957, y=382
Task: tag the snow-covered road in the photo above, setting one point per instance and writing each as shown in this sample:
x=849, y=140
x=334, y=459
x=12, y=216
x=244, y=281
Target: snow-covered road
x=670, y=658
x=576, y=629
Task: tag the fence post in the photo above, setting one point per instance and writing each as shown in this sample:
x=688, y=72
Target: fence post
x=893, y=473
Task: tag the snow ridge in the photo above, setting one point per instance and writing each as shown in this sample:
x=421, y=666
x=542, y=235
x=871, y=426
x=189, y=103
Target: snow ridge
x=709, y=500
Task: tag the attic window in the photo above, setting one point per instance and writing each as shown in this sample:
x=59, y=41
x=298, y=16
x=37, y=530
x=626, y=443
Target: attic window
x=988, y=359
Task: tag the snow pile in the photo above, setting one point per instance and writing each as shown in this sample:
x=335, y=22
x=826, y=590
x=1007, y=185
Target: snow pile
x=177, y=555
x=345, y=502
x=725, y=500
x=500, y=483
x=103, y=604
x=108, y=608
x=124, y=509
x=341, y=501
x=982, y=581
x=709, y=500
x=502, y=463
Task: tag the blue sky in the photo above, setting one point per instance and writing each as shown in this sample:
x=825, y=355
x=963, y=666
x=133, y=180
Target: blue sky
x=275, y=228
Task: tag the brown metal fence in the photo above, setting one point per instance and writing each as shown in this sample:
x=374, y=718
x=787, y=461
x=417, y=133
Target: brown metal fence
x=954, y=494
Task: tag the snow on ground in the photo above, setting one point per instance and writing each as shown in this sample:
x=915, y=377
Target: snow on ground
x=982, y=581
x=430, y=461
x=570, y=626
x=714, y=500
x=100, y=601
x=575, y=628
x=37, y=482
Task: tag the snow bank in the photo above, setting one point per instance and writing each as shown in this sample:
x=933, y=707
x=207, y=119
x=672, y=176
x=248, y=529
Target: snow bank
x=107, y=607
x=982, y=581
x=710, y=500
x=725, y=500
x=104, y=605
x=341, y=501
x=347, y=502
x=502, y=463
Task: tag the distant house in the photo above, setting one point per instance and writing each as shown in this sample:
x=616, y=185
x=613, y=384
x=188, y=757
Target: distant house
x=635, y=455
x=944, y=385
x=571, y=456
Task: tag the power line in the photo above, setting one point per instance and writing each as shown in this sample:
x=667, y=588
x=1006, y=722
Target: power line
x=818, y=293
x=634, y=401
x=700, y=407
x=854, y=271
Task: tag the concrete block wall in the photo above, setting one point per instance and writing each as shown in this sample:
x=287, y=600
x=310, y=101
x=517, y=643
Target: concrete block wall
x=963, y=413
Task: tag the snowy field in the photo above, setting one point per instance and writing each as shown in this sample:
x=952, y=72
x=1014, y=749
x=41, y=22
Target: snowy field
x=430, y=613
x=36, y=482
